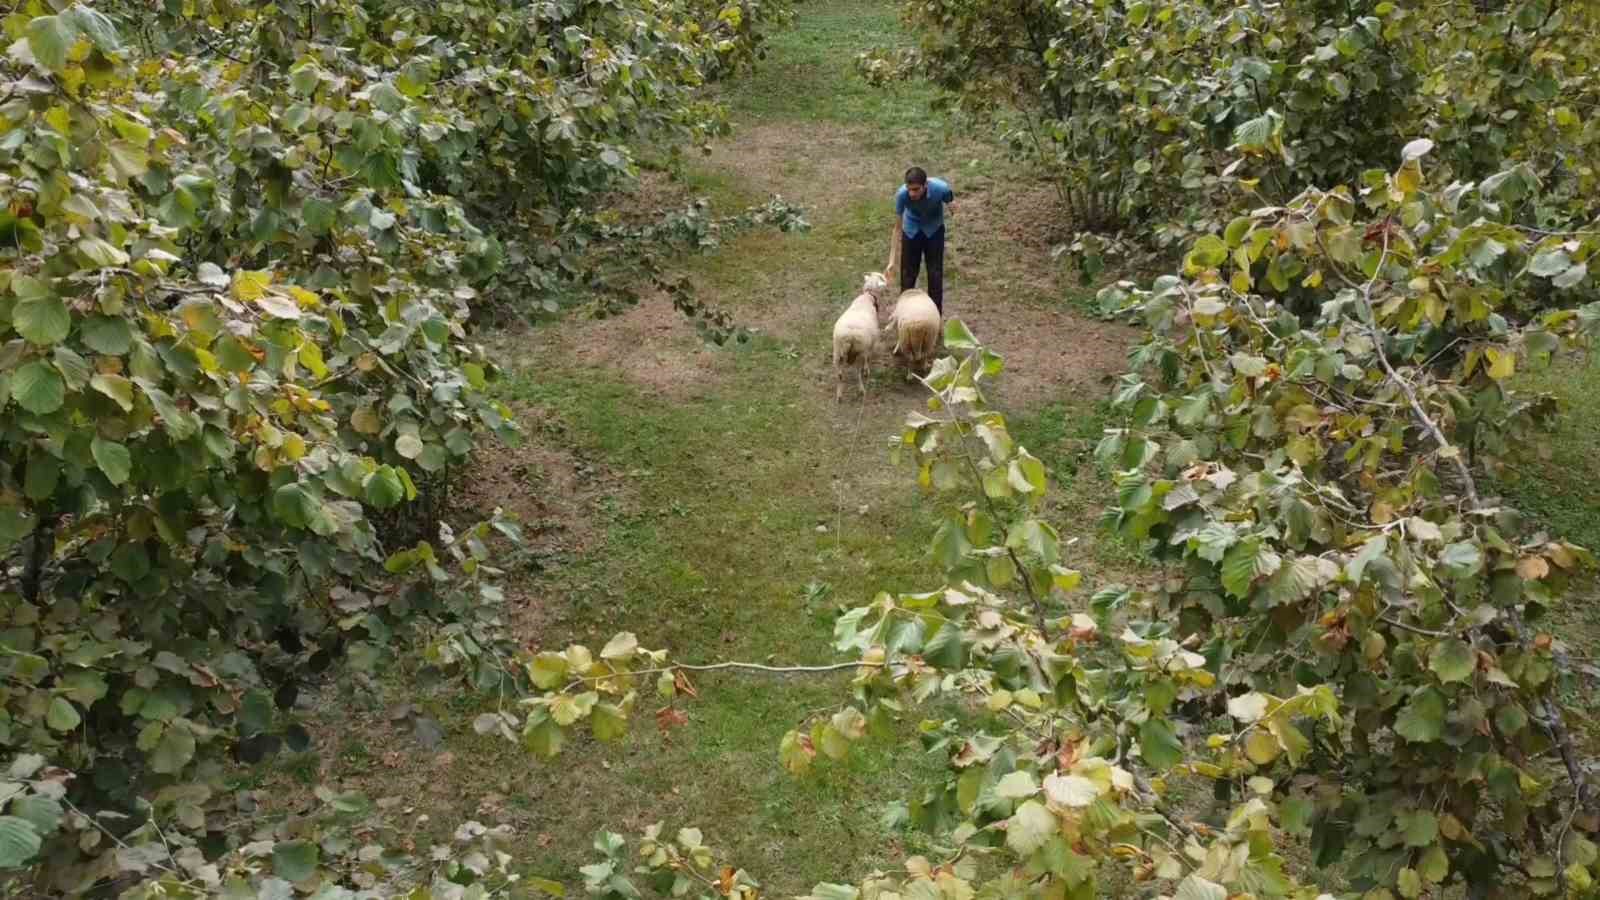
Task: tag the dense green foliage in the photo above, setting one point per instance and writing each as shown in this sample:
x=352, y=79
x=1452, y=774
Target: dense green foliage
x=1320, y=388
x=1138, y=109
x=242, y=247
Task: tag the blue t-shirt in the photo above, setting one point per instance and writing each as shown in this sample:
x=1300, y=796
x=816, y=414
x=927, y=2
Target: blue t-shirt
x=925, y=216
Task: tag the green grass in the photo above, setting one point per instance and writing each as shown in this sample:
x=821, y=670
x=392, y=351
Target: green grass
x=1558, y=480
x=809, y=74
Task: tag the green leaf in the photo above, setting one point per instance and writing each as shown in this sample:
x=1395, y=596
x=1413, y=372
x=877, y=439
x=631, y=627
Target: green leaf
x=828, y=738
x=293, y=505
x=1244, y=562
x=945, y=650
x=130, y=161
x=62, y=715
x=1422, y=719
x=174, y=752
x=1419, y=826
x=42, y=320
x=1452, y=660
x=294, y=861
x=1371, y=550
x=1550, y=263
x=957, y=337
x=1248, y=365
x=1409, y=884
x=1209, y=251
x=407, y=445
x=101, y=253
x=384, y=488
x=43, y=473
x=38, y=389
x=1030, y=827
x=1462, y=559
x=113, y=459
x=568, y=708
x=543, y=737
x=96, y=26
x=130, y=563
x=179, y=424
x=43, y=813
x=109, y=335
x=1158, y=745
x=255, y=713
x=84, y=686
x=1253, y=134
x=19, y=841
x=1571, y=277
x=1295, y=581
x=50, y=37
x=608, y=722
x=1016, y=785
x=1510, y=718
x=119, y=389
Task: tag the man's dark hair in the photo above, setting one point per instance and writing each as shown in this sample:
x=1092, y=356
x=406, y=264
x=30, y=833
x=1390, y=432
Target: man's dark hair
x=915, y=175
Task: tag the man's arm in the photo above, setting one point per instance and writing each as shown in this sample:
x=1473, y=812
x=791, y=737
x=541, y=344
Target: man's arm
x=900, y=202
x=949, y=193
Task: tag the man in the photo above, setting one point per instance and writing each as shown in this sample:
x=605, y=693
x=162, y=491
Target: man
x=920, y=204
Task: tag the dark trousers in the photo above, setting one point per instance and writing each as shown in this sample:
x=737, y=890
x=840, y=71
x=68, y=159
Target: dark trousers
x=913, y=250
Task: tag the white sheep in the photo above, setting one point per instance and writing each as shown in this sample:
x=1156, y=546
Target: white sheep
x=855, y=333
x=916, y=319
x=916, y=322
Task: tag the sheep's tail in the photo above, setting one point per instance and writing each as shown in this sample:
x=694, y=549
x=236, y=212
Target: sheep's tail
x=849, y=351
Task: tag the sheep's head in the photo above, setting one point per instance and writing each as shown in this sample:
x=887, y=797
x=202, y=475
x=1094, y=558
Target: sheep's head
x=875, y=284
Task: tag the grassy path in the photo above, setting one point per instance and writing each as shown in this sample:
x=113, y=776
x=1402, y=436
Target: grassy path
x=717, y=503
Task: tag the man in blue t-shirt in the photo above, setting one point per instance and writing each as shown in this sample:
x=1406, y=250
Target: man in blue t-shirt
x=920, y=204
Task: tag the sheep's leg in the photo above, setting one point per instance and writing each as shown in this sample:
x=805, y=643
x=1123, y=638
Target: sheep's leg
x=860, y=380
x=838, y=381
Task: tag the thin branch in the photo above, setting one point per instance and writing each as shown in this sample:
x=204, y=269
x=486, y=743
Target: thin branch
x=1371, y=321
x=753, y=667
x=1412, y=628
x=1022, y=571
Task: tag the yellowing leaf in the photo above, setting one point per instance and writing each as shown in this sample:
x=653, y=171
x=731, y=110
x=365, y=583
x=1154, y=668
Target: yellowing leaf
x=622, y=647
x=116, y=387
x=547, y=670
x=1409, y=178
x=1502, y=363
x=1261, y=747
x=1532, y=568
x=365, y=420
x=311, y=357
x=250, y=286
